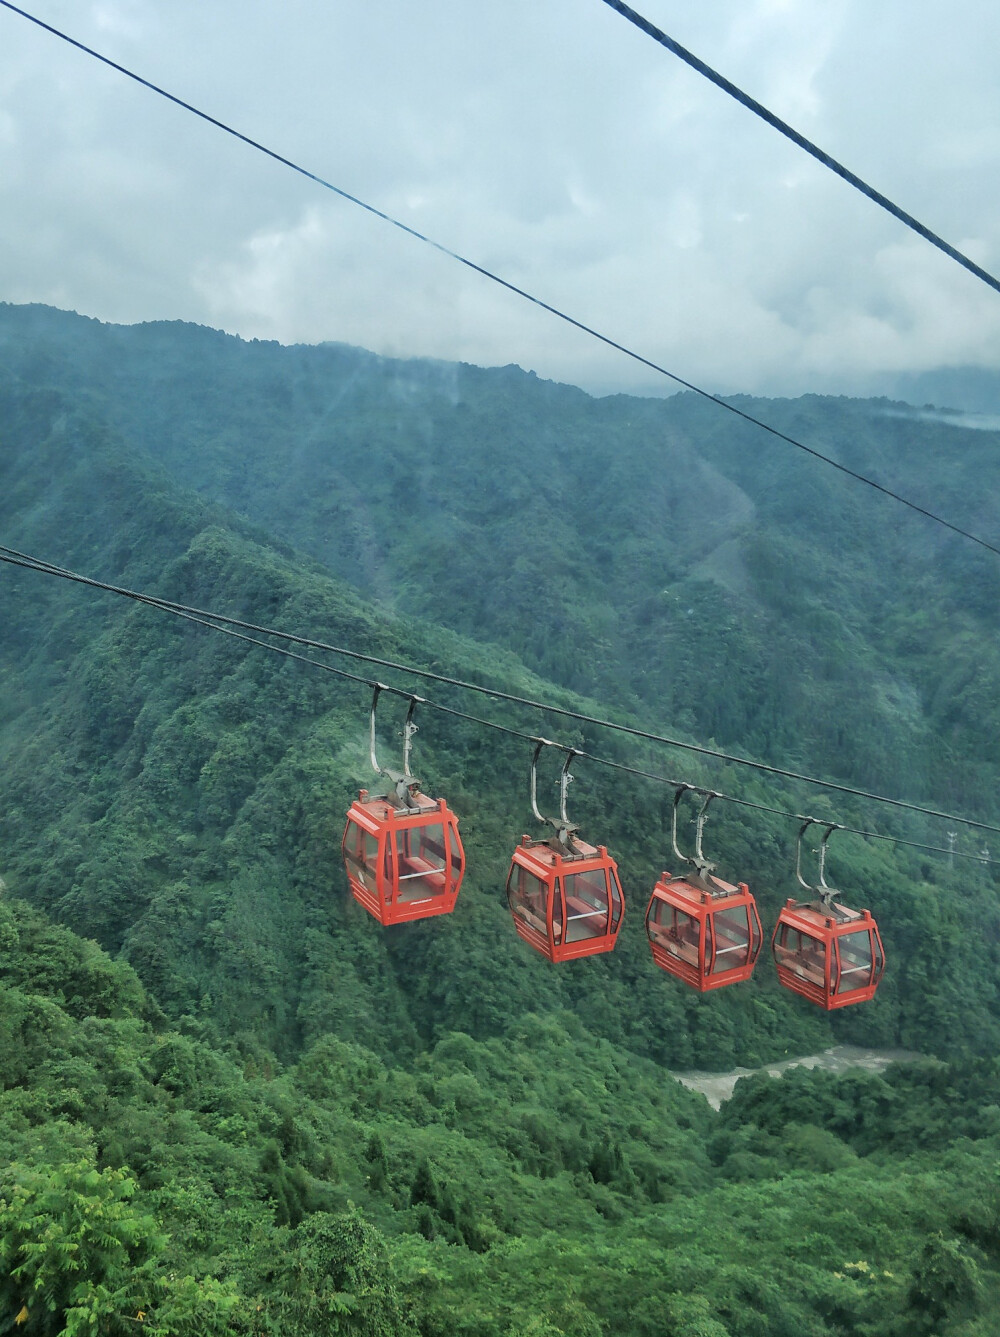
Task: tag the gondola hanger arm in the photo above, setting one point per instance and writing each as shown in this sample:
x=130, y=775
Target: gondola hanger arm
x=822, y=890
x=703, y=868
x=564, y=828
x=404, y=783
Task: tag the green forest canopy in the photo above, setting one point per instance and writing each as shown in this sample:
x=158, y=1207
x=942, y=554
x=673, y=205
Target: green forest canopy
x=285, y=1118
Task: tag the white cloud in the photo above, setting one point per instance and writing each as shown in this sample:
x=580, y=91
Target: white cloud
x=555, y=144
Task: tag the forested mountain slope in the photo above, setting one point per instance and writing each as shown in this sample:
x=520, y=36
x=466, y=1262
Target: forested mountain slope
x=507, y=1126
x=539, y=1184
x=178, y=795
x=660, y=553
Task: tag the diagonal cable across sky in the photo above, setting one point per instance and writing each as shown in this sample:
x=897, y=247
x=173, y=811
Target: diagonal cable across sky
x=507, y=284
x=821, y=156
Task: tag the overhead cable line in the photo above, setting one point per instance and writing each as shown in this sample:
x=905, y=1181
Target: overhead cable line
x=205, y=620
x=677, y=784
x=221, y=622
x=505, y=283
x=812, y=149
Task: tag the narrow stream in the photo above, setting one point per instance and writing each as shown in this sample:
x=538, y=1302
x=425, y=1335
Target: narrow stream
x=718, y=1086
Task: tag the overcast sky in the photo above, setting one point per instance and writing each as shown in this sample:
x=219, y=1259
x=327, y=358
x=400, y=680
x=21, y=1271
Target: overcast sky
x=548, y=140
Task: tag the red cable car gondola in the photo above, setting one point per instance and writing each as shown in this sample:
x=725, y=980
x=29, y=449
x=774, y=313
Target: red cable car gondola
x=402, y=851
x=822, y=950
x=701, y=929
x=564, y=895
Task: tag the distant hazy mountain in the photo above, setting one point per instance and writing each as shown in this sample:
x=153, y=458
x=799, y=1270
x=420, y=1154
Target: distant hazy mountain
x=968, y=389
x=653, y=552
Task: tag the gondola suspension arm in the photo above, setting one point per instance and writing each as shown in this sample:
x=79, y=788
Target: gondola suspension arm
x=564, y=828
x=404, y=784
x=822, y=891
x=703, y=867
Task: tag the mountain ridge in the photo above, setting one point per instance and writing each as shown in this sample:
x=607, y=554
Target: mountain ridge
x=268, y=1111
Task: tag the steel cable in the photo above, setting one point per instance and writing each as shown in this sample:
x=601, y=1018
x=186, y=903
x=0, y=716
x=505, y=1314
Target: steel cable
x=505, y=283
x=228, y=625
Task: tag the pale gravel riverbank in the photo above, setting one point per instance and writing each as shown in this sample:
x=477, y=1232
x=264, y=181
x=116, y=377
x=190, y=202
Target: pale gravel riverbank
x=717, y=1087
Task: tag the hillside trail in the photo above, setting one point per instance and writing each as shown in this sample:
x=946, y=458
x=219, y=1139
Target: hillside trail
x=717, y=1087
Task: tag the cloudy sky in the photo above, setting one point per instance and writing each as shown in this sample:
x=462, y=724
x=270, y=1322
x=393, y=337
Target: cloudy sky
x=547, y=140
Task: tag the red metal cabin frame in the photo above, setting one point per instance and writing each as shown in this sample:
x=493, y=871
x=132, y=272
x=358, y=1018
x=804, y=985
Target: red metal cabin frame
x=831, y=955
x=707, y=938
x=403, y=864
x=565, y=903
x=402, y=852
x=822, y=950
x=564, y=895
x=703, y=930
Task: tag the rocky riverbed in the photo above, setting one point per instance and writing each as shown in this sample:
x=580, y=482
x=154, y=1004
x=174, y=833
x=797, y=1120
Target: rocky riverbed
x=717, y=1087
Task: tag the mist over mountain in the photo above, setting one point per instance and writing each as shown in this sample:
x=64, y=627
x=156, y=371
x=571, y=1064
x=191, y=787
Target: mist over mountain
x=971, y=390
x=660, y=554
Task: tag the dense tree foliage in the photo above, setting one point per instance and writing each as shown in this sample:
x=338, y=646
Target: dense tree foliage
x=543, y=1182
x=230, y=1102
x=657, y=553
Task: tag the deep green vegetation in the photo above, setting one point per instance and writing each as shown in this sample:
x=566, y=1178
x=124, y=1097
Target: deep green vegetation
x=540, y=1183
x=659, y=553
x=261, y=1112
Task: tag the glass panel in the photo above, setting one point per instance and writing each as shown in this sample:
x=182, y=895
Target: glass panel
x=421, y=851
x=352, y=841
x=673, y=930
x=855, y=961
x=388, y=874
x=616, y=902
x=527, y=898
x=557, y=913
x=455, y=856
x=587, y=904
x=732, y=938
x=802, y=954
x=361, y=852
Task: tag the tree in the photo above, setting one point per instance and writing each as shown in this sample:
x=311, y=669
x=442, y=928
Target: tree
x=78, y=1256
x=338, y=1283
x=945, y=1285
